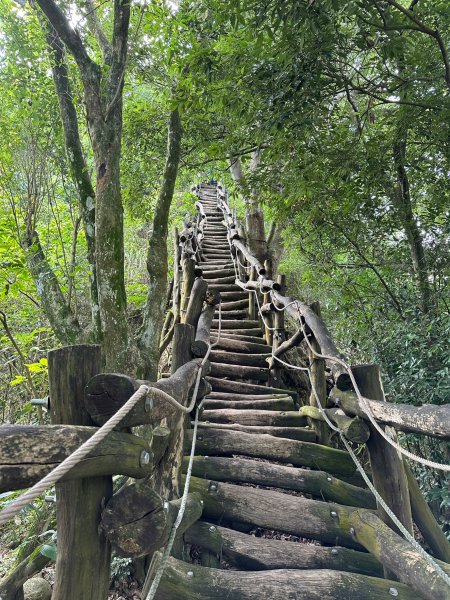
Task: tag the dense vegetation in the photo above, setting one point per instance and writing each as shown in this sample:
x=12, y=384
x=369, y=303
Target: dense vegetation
x=328, y=121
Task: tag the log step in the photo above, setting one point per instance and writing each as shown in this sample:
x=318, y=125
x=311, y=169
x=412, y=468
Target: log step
x=272, y=418
x=215, y=273
x=277, y=511
x=183, y=581
x=235, y=344
x=278, y=404
x=302, y=434
x=229, y=294
x=238, y=333
x=319, y=484
x=249, y=552
x=239, y=371
x=232, y=314
x=234, y=358
x=225, y=280
x=236, y=305
x=238, y=324
x=244, y=397
x=223, y=385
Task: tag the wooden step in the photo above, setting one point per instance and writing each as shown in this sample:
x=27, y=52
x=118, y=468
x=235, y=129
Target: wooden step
x=235, y=358
x=267, y=404
x=238, y=324
x=183, y=581
x=232, y=314
x=224, y=385
x=248, y=552
x=239, y=372
x=236, y=305
x=248, y=397
x=226, y=287
x=238, y=333
x=277, y=511
x=235, y=344
x=303, y=434
x=270, y=418
x=215, y=273
x=319, y=484
x=221, y=280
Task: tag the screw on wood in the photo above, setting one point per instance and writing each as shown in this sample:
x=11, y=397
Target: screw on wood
x=393, y=592
x=144, y=458
x=148, y=405
x=334, y=514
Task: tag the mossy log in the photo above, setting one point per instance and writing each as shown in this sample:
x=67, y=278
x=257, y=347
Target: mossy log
x=29, y=452
x=217, y=442
x=239, y=358
x=302, y=434
x=354, y=428
x=195, y=305
x=224, y=385
x=11, y=585
x=428, y=419
x=397, y=555
x=202, y=335
x=183, y=581
x=239, y=372
x=137, y=520
x=282, y=404
x=107, y=392
x=248, y=552
x=296, y=515
x=317, y=483
x=273, y=418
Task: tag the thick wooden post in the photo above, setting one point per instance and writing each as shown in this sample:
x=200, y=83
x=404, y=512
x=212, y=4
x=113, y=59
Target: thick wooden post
x=188, y=267
x=388, y=472
x=251, y=297
x=83, y=558
x=318, y=380
x=279, y=336
x=176, y=277
x=268, y=318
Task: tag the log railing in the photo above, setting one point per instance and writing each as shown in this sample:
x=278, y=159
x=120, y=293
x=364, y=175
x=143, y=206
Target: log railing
x=358, y=411
x=138, y=518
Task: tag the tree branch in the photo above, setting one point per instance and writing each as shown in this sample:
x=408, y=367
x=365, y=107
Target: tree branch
x=97, y=31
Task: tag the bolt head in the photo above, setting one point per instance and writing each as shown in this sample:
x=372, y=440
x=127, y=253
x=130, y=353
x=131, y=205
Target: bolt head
x=329, y=479
x=334, y=551
x=213, y=487
x=148, y=404
x=393, y=591
x=333, y=514
x=212, y=528
x=145, y=458
x=190, y=574
x=352, y=531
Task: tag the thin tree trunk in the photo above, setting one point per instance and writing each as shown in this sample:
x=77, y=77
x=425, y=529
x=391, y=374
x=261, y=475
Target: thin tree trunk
x=157, y=255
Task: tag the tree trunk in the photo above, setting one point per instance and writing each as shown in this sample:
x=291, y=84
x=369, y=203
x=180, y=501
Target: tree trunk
x=157, y=255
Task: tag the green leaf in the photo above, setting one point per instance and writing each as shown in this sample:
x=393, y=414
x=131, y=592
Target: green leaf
x=49, y=550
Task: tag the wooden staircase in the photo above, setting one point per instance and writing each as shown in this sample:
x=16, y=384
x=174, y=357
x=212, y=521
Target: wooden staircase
x=275, y=503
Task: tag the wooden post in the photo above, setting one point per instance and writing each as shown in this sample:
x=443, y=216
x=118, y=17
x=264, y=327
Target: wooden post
x=176, y=277
x=83, y=558
x=188, y=267
x=318, y=380
x=251, y=298
x=388, y=472
x=279, y=336
x=268, y=318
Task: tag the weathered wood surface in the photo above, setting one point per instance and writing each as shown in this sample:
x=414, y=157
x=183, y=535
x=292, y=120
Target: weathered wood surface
x=137, y=520
x=107, y=392
x=252, y=553
x=274, y=418
x=320, y=584
x=239, y=371
x=283, y=404
x=223, y=385
x=317, y=483
x=28, y=452
x=227, y=443
x=425, y=520
x=428, y=419
x=321, y=334
x=302, y=434
x=232, y=336
x=195, y=305
x=83, y=558
x=312, y=519
x=237, y=324
x=181, y=347
x=201, y=344
x=397, y=555
x=388, y=473
x=254, y=333
x=354, y=428
x=11, y=586
x=230, y=396
x=188, y=269
x=239, y=358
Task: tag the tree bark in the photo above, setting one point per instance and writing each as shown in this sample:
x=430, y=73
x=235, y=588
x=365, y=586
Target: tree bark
x=149, y=336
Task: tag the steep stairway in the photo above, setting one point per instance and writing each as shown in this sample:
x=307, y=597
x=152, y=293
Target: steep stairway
x=276, y=502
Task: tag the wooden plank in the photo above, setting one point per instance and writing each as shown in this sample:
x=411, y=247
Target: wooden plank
x=248, y=552
x=222, y=385
x=302, y=434
x=279, y=404
x=274, y=418
x=303, y=454
x=220, y=370
x=319, y=484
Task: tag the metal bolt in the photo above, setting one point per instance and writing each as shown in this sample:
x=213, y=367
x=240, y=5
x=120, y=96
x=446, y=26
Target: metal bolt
x=148, y=404
x=200, y=438
x=145, y=458
x=334, y=514
x=329, y=479
x=45, y=402
x=206, y=457
x=166, y=505
x=213, y=487
x=352, y=531
x=190, y=573
x=393, y=592
x=334, y=551
x=201, y=502
x=212, y=528
x=283, y=413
